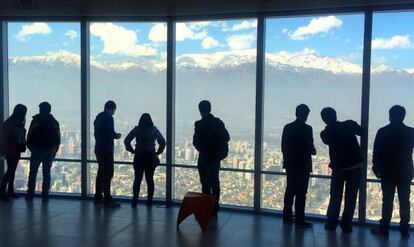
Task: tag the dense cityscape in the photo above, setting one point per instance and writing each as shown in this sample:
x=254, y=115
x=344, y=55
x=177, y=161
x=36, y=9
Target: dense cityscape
x=237, y=187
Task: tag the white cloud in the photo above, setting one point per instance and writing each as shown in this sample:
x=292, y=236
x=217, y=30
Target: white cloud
x=395, y=42
x=158, y=33
x=184, y=32
x=72, y=34
x=308, y=50
x=285, y=30
x=119, y=40
x=241, y=42
x=209, y=42
x=242, y=26
x=32, y=29
x=315, y=26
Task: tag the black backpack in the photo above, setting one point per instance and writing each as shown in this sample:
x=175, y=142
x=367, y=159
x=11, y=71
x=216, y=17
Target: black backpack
x=219, y=140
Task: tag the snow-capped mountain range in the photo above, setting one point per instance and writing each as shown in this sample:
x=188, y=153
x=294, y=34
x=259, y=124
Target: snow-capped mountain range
x=278, y=60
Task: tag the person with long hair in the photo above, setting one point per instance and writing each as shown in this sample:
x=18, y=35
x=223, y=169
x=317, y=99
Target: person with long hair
x=12, y=144
x=145, y=155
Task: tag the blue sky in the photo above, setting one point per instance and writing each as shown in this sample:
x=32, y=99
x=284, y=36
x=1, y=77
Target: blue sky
x=333, y=36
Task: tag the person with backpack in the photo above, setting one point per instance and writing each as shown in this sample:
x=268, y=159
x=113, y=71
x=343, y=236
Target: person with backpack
x=211, y=141
x=12, y=144
x=297, y=150
x=346, y=164
x=43, y=140
x=145, y=155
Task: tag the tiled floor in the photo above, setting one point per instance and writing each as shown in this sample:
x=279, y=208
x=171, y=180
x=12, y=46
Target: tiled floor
x=65, y=222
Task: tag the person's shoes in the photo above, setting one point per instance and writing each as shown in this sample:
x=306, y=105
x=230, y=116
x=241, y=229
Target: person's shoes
x=330, y=227
x=303, y=224
x=29, y=198
x=45, y=199
x=288, y=221
x=112, y=204
x=346, y=229
x=380, y=231
x=134, y=202
x=149, y=203
x=97, y=201
x=214, y=216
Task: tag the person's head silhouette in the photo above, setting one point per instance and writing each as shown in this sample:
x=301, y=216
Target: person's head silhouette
x=145, y=121
x=328, y=115
x=397, y=114
x=205, y=107
x=302, y=112
x=110, y=107
x=45, y=108
x=19, y=113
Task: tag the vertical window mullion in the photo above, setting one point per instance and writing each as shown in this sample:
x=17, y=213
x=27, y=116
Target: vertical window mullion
x=4, y=81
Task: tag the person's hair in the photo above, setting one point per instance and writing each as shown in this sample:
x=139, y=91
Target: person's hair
x=19, y=112
x=110, y=105
x=45, y=107
x=328, y=115
x=145, y=121
x=302, y=111
x=397, y=114
x=204, y=106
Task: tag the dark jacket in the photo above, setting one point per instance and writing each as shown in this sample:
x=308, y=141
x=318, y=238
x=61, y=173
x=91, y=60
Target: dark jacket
x=297, y=146
x=104, y=132
x=145, y=141
x=209, y=132
x=393, y=150
x=13, y=138
x=344, y=149
x=44, y=132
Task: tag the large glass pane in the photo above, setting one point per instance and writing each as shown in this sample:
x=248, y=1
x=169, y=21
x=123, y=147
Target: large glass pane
x=316, y=61
x=44, y=63
x=392, y=82
x=128, y=66
x=123, y=180
x=236, y=187
x=216, y=61
x=65, y=177
x=374, y=203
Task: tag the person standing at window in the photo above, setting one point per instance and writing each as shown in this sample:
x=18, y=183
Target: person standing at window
x=346, y=162
x=393, y=164
x=297, y=150
x=211, y=141
x=12, y=144
x=104, y=150
x=43, y=140
x=145, y=155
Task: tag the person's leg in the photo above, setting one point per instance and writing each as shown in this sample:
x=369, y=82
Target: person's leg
x=99, y=178
x=289, y=195
x=214, y=175
x=302, y=183
x=6, y=178
x=352, y=180
x=149, y=177
x=139, y=173
x=337, y=187
x=404, y=189
x=388, y=192
x=47, y=161
x=204, y=180
x=35, y=160
x=108, y=175
x=10, y=189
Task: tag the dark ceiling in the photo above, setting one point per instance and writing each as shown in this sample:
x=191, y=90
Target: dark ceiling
x=97, y=8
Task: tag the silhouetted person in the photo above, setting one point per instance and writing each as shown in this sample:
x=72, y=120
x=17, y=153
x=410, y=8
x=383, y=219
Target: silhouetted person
x=393, y=164
x=346, y=163
x=12, y=144
x=43, y=140
x=145, y=155
x=297, y=149
x=211, y=141
x=104, y=150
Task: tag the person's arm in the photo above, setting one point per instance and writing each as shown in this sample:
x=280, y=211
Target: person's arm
x=356, y=128
x=196, y=137
x=128, y=140
x=325, y=136
x=376, y=164
x=111, y=129
x=284, y=142
x=312, y=148
x=161, y=142
x=225, y=132
x=58, y=137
